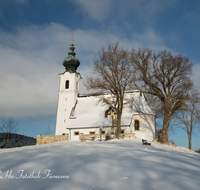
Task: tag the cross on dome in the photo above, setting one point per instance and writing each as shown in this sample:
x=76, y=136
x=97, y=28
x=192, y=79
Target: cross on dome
x=72, y=40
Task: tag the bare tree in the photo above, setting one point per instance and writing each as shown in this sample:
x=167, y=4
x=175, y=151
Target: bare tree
x=189, y=116
x=8, y=126
x=47, y=130
x=166, y=77
x=114, y=75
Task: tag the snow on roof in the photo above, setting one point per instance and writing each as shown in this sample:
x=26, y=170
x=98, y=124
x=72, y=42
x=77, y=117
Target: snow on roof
x=90, y=112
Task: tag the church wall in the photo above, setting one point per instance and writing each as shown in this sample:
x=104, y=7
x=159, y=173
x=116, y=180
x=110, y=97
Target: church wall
x=86, y=131
x=73, y=79
x=66, y=101
x=146, y=129
x=84, y=138
x=63, y=113
x=146, y=126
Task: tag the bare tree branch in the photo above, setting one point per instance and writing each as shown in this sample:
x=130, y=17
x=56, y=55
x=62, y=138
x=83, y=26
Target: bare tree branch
x=189, y=115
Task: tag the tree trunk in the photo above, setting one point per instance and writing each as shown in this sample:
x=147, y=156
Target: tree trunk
x=165, y=132
x=166, y=121
x=7, y=139
x=112, y=129
x=165, y=129
x=190, y=141
x=118, y=125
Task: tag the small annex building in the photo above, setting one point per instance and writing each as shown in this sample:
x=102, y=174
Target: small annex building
x=85, y=114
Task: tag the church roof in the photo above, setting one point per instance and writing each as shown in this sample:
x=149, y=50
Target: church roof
x=90, y=112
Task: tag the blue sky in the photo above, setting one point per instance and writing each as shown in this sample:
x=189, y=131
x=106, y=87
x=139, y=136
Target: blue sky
x=35, y=36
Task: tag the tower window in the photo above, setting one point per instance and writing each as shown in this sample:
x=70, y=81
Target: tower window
x=67, y=84
x=137, y=125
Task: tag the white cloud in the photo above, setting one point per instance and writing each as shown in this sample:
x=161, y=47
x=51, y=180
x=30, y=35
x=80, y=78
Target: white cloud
x=96, y=9
x=149, y=38
x=31, y=60
x=196, y=76
x=103, y=9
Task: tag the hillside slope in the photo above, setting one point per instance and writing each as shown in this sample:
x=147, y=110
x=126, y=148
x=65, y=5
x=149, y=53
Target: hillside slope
x=17, y=140
x=119, y=164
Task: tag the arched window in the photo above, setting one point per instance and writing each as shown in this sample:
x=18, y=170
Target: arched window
x=137, y=125
x=67, y=84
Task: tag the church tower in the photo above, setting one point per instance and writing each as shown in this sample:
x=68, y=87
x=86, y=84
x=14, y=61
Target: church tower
x=69, y=90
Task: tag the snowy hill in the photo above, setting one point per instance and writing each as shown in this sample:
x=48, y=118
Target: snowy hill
x=118, y=164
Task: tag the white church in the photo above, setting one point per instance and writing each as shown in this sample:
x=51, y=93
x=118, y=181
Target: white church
x=85, y=114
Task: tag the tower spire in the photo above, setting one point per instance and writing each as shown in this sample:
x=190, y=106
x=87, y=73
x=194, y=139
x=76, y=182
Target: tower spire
x=71, y=62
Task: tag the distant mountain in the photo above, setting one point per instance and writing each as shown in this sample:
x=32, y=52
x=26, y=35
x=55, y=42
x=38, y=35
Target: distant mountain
x=17, y=140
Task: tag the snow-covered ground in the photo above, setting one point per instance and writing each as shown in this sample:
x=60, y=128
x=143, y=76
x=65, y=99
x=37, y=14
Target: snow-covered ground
x=118, y=164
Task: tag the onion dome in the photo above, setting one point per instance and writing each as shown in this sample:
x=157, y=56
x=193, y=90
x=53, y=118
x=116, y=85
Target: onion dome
x=71, y=63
